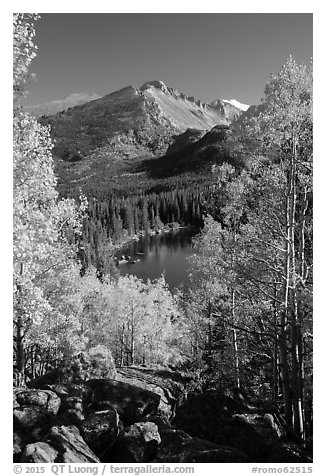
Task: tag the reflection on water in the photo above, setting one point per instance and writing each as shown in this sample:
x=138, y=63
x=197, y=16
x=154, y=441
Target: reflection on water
x=165, y=253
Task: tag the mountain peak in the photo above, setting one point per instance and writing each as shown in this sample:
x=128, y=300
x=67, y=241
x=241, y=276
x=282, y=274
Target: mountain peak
x=130, y=124
x=144, y=118
x=157, y=84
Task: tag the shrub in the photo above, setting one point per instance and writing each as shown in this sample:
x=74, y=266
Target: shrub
x=96, y=362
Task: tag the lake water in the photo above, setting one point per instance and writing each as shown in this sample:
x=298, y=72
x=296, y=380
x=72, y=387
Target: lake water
x=165, y=253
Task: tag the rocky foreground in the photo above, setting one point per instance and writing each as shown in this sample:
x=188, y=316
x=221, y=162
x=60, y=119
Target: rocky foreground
x=142, y=416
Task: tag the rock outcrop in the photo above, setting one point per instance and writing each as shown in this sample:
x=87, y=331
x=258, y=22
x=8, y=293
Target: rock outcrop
x=34, y=412
x=39, y=452
x=145, y=416
x=100, y=430
x=44, y=399
x=131, y=402
x=165, y=384
x=179, y=447
x=234, y=422
x=70, y=446
x=136, y=444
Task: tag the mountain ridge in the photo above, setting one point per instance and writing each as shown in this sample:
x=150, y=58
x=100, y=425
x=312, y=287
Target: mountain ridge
x=150, y=113
x=78, y=99
x=110, y=136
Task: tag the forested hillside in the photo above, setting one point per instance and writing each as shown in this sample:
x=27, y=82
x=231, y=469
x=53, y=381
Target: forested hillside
x=235, y=348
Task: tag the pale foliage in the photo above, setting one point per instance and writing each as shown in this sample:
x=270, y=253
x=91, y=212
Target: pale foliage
x=44, y=262
x=24, y=49
x=134, y=319
x=260, y=256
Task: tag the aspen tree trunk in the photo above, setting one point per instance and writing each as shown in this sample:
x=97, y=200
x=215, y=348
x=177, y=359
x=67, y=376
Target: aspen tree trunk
x=275, y=372
x=144, y=347
x=303, y=276
x=303, y=263
x=122, y=346
x=298, y=423
x=20, y=351
x=282, y=340
x=42, y=368
x=295, y=324
x=132, y=344
x=235, y=345
x=276, y=363
x=209, y=336
x=33, y=352
x=285, y=374
x=234, y=331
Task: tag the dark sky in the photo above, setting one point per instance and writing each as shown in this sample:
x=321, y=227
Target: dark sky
x=206, y=55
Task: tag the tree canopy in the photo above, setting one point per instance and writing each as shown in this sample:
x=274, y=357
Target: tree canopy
x=256, y=256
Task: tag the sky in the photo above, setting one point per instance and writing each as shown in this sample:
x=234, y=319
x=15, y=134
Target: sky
x=205, y=55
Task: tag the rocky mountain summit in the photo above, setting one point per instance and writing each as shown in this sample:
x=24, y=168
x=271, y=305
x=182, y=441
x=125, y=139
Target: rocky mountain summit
x=140, y=415
x=108, y=137
x=147, y=117
x=187, y=112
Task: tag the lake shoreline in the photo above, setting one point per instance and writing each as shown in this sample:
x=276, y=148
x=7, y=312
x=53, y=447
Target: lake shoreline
x=119, y=247
x=154, y=255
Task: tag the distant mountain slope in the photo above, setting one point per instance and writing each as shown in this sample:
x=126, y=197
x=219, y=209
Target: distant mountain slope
x=147, y=117
x=107, y=139
x=194, y=152
x=53, y=107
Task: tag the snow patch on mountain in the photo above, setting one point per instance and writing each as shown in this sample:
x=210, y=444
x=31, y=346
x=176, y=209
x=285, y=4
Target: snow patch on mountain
x=237, y=104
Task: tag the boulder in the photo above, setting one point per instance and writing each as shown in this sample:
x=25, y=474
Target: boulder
x=72, y=397
x=179, y=447
x=45, y=399
x=70, y=417
x=72, y=403
x=100, y=406
x=131, y=402
x=160, y=421
x=227, y=422
x=39, y=452
x=31, y=421
x=204, y=414
x=68, y=389
x=70, y=446
x=169, y=385
x=100, y=430
x=136, y=444
x=255, y=433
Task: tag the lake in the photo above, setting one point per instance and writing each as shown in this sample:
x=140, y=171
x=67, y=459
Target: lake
x=164, y=253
